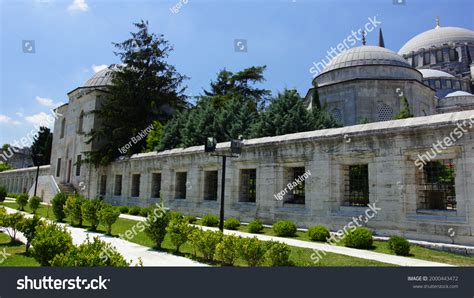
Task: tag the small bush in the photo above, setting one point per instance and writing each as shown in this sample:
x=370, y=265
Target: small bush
x=206, y=242
x=278, y=254
x=95, y=253
x=210, y=220
x=227, y=251
x=73, y=210
x=285, y=228
x=144, y=212
x=3, y=193
x=252, y=251
x=190, y=219
x=58, y=202
x=50, y=241
x=12, y=195
x=34, y=203
x=22, y=200
x=255, y=226
x=359, y=238
x=29, y=227
x=123, y=209
x=179, y=231
x=231, y=224
x=12, y=221
x=135, y=210
x=108, y=215
x=318, y=233
x=399, y=245
x=155, y=225
x=90, y=212
x=175, y=214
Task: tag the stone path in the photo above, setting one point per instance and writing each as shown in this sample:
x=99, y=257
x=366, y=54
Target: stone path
x=129, y=250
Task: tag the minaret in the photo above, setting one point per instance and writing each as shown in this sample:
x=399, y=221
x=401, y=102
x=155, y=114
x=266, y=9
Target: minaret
x=381, y=41
x=363, y=38
x=437, y=22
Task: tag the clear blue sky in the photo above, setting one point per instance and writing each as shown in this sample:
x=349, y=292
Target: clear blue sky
x=73, y=36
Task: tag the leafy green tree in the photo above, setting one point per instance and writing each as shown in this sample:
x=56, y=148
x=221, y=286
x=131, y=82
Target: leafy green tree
x=34, y=203
x=154, y=137
x=22, y=200
x=58, y=202
x=41, y=147
x=73, y=209
x=179, y=230
x=108, y=215
x=156, y=224
x=405, y=110
x=5, y=167
x=90, y=212
x=13, y=222
x=3, y=193
x=29, y=227
x=145, y=88
x=49, y=241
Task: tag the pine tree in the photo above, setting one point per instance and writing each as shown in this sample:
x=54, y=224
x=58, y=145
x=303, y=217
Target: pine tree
x=41, y=146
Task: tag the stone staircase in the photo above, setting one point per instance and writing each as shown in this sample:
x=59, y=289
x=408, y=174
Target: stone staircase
x=67, y=188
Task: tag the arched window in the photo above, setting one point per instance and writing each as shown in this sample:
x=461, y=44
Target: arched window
x=63, y=127
x=385, y=112
x=80, y=128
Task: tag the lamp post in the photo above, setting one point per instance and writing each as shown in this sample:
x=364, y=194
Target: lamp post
x=36, y=159
x=235, y=150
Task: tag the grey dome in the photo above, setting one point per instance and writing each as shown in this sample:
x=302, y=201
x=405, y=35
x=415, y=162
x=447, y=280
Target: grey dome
x=459, y=93
x=437, y=37
x=102, y=78
x=433, y=73
x=366, y=55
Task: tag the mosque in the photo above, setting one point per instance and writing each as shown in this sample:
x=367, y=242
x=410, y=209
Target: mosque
x=371, y=160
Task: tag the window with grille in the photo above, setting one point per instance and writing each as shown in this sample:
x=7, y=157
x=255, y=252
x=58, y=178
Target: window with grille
x=426, y=58
x=437, y=84
x=449, y=84
x=78, y=165
x=155, y=185
x=453, y=55
x=118, y=185
x=438, y=185
x=135, y=185
x=180, y=190
x=439, y=56
x=63, y=128
x=103, y=185
x=385, y=112
x=356, y=186
x=297, y=194
x=58, y=168
x=210, y=185
x=248, y=187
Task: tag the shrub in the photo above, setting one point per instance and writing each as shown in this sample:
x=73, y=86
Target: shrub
x=155, y=225
x=29, y=227
x=231, y=224
x=123, y=209
x=12, y=221
x=3, y=193
x=227, y=251
x=278, y=254
x=95, y=253
x=108, y=215
x=135, y=210
x=178, y=230
x=206, y=242
x=90, y=212
x=58, y=202
x=34, y=203
x=144, y=212
x=190, y=219
x=318, y=233
x=73, y=210
x=359, y=238
x=22, y=200
x=255, y=226
x=285, y=228
x=210, y=220
x=175, y=214
x=50, y=241
x=12, y=195
x=252, y=251
x=399, y=245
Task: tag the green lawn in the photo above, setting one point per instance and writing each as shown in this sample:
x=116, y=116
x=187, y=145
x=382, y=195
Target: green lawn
x=299, y=256
x=17, y=256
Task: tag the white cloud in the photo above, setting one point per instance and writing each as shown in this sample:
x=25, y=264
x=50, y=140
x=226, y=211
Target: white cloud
x=78, y=5
x=19, y=114
x=40, y=119
x=47, y=102
x=97, y=68
x=7, y=120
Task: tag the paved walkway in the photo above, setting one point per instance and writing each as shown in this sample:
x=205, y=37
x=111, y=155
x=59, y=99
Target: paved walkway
x=129, y=250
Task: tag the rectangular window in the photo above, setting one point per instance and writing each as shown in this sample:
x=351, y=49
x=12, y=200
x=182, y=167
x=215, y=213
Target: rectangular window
x=449, y=84
x=426, y=58
x=103, y=185
x=58, y=168
x=210, y=185
x=248, y=185
x=457, y=85
x=155, y=185
x=118, y=185
x=438, y=84
x=438, y=185
x=135, y=185
x=453, y=55
x=78, y=165
x=180, y=190
x=356, y=188
x=439, y=56
x=295, y=195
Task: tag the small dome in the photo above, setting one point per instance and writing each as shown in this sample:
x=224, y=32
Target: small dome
x=433, y=73
x=102, y=78
x=437, y=37
x=366, y=55
x=458, y=93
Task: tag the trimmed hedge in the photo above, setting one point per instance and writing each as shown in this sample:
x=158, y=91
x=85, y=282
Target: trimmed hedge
x=210, y=220
x=359, y=238
x=135, y=210
x=285, y=228
x=231, y=223
x=255, y=226
x=399, y=245
x=318, y=233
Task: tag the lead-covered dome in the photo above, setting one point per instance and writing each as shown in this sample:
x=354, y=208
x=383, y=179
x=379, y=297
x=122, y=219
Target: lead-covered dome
x=102, y=78
x=434, y=73
x=437, y=37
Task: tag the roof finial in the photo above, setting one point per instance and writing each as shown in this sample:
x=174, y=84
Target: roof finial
x=437, y=22
x=363, y=38
x=381, y=41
